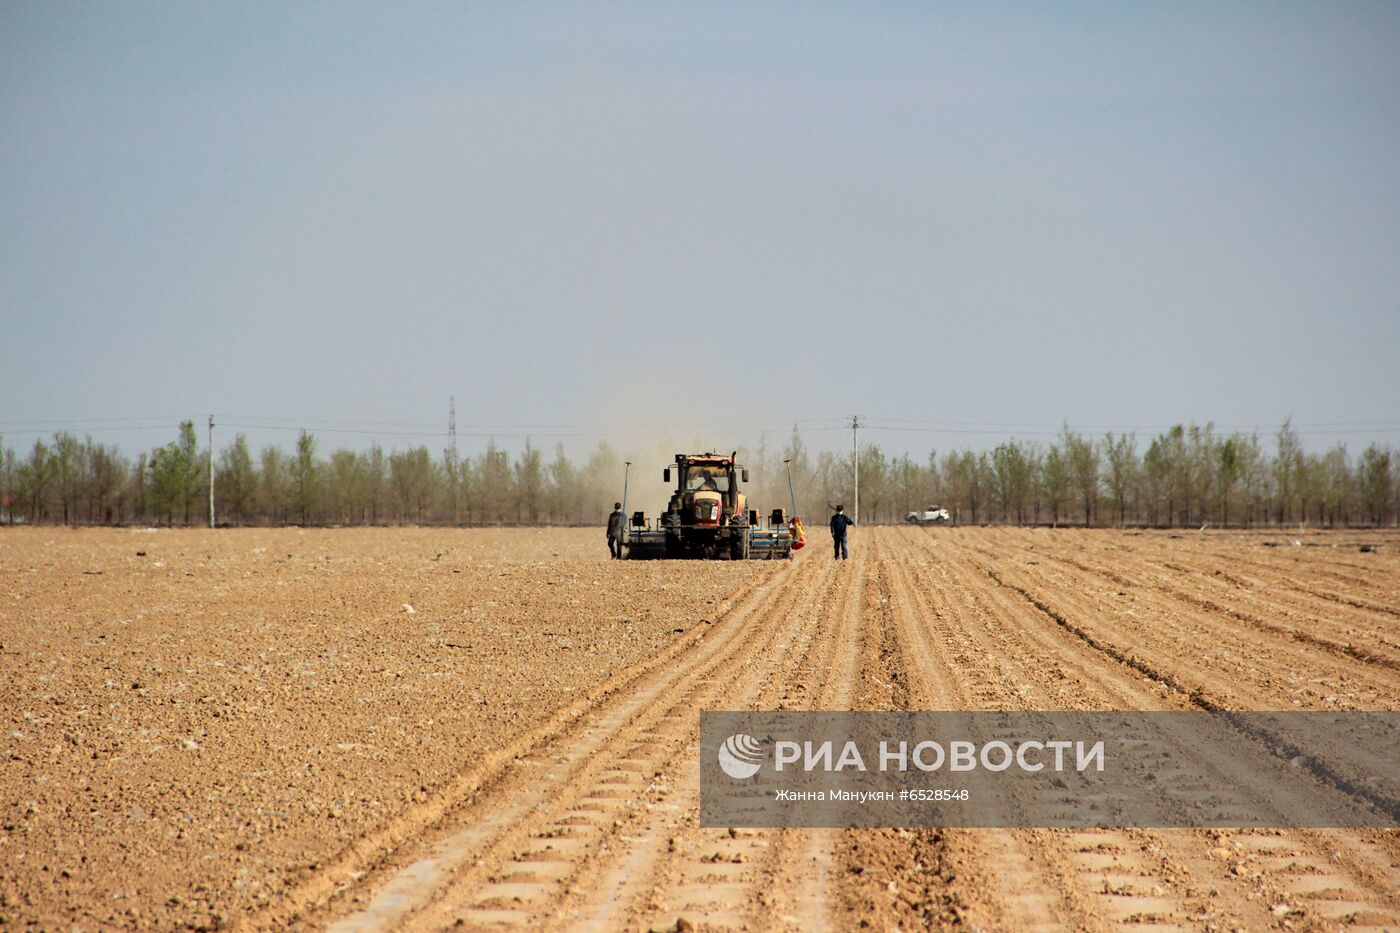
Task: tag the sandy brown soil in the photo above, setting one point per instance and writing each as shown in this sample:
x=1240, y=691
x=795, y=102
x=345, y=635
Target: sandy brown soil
x=190, y=734
x=249, y=729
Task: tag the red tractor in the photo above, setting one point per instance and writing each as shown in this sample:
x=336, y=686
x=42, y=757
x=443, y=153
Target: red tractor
x=708, y=516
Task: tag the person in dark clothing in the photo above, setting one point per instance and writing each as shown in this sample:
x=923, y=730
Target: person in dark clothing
x=616, y=529
x=839, y=523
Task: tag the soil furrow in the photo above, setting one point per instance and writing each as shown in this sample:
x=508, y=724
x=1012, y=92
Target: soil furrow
x=419, y=729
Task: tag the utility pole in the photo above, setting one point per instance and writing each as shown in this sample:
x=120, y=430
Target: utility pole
x=211, y=471
x=855, y=460
x=452, y=471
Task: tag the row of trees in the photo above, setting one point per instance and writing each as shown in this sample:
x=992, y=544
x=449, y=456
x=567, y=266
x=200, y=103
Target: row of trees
x=83, y=482
x=1188, y=475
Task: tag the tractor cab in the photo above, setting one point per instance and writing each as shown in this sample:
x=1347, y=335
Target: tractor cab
x=707, y=490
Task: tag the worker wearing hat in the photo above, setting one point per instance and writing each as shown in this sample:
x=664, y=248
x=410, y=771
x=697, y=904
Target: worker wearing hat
x=616, y=524
x=839, y=523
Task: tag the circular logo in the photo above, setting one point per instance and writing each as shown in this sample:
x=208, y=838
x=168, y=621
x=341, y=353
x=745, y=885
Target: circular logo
x=741, y=756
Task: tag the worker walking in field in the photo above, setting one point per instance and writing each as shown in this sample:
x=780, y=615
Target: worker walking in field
x=839, y=522
x=616, y=525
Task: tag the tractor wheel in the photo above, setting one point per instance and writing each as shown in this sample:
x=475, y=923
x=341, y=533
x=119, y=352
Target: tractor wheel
x=740, y=549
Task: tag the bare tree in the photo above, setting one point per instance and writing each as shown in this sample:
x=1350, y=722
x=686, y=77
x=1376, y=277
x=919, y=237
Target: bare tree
x=68, y=460
x=412, y=476
x=1336, y=485
x=1121, y=453
x=345, y=486
x=1011, y=471
x=562, y=486
x=140, y=477
x=236, y=481
x=274, y=484
x=107, y=473
x=1286, y=467
x=976, y=471
x=1156, y=478
x=1376, y=482
x=494, y=483
x=35, y=478
x=175, y=470
x=874, y=482
x=376, y=482
x=1055, y=480
x=529, y=483
x=1254, y=474
x=9, y=490
x=305, y=475
x=1084, y=460
x=1229, y=467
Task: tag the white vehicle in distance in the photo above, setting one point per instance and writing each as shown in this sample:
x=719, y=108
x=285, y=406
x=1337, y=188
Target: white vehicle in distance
x=933, y=515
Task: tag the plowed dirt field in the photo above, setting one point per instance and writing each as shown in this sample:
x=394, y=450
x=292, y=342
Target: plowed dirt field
x=484, y=729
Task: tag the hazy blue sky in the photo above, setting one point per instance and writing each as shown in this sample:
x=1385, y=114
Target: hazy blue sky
x=585, y=219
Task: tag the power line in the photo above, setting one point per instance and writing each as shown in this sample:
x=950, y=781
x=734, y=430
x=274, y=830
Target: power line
x=304, y=422
x=603, y=433
x=163, y=429
x=103, y=423
x=297, y=429
x=1059, y=425
x=67, y=421
x=1254, y=429
x=527, y=426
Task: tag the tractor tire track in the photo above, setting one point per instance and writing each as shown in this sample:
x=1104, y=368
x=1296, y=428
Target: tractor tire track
x=590, y=822
x=1083, y=879
x=1348, y=875
x=386, y=848
x=597, y=853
